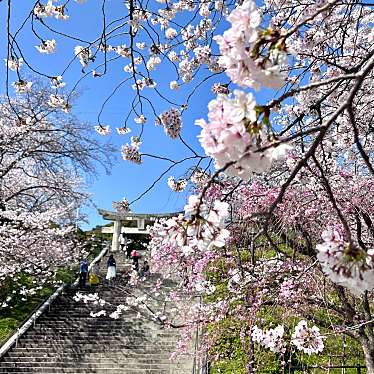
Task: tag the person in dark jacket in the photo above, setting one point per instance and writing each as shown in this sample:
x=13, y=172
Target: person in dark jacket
x=83, y=271
x=129, y=249
x=145, y=270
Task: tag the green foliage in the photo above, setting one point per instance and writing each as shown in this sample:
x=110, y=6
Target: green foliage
x=229, y=352
x=7, y=326
x=228, y=367
x=20, y=306
x=19, y=310
x=338, y=350
x=66, y=275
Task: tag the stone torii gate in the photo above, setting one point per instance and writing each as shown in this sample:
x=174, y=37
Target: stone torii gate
x=118, y=219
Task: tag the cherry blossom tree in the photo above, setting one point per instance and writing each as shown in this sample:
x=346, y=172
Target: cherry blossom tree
x=289, y=133
x=44, y=157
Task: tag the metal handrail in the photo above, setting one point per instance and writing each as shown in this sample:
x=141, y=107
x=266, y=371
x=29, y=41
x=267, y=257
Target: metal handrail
x=40, y=309
x=200, y=366
x=328, y=367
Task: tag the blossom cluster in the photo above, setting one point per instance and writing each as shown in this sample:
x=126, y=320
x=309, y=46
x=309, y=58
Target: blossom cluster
x=56, y=82
x=233, y=134
x=47, y=46
x=121, y=206
x=271, y=338
x=102, y=130
x=58, y=101
x=245, y=67
x=199, y=177
x=188, y=239
x=84, y=55
x=346, y=263
x=123, y=130
x=141, y=120
x=177, y=185
x=172, y=122
x=49, y=10
x=131, y=153
x=307, y=339
x=14, y=63
x=22, y=86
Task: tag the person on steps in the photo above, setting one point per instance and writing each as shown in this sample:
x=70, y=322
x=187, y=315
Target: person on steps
x=93, y=277
x=145, y=271
x=83, y=270
x=111, y=274
x=129, y=249
x=123, y=243
x=135, y=260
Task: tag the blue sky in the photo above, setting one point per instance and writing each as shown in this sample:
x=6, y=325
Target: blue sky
x=126, y=180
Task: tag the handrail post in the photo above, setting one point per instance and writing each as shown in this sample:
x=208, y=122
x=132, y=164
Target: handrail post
x=17, y=337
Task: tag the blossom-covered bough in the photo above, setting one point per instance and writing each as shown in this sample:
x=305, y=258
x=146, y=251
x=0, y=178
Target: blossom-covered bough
x=285, y=216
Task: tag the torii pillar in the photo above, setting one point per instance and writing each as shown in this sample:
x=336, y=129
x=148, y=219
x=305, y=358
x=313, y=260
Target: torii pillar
x=116, y=235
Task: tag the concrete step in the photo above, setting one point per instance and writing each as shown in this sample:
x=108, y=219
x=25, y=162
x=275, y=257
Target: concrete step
x=87, y=329
x=99, y=371
x=102, y=332
x=72, y=352
x=88, y=346
x=82, y=365
x=92, y=359
x=114, y=333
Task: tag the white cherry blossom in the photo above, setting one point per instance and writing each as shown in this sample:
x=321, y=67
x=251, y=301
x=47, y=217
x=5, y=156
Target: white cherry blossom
x=102, y=130
x=47, y=47
x=307, y=339
x=346, y=263
x=177, y=185
x=14, y=63
x=22, y=86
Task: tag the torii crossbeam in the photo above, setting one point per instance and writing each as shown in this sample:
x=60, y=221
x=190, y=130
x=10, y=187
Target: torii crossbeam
x=119, y=217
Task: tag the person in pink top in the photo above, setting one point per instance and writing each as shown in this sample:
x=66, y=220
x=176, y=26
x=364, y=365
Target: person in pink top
x=135, y=259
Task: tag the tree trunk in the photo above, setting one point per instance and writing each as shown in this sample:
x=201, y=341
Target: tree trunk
x=250, y=365
x=369, y=356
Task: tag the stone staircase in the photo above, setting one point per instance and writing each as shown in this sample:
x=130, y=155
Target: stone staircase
x=67, y=339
